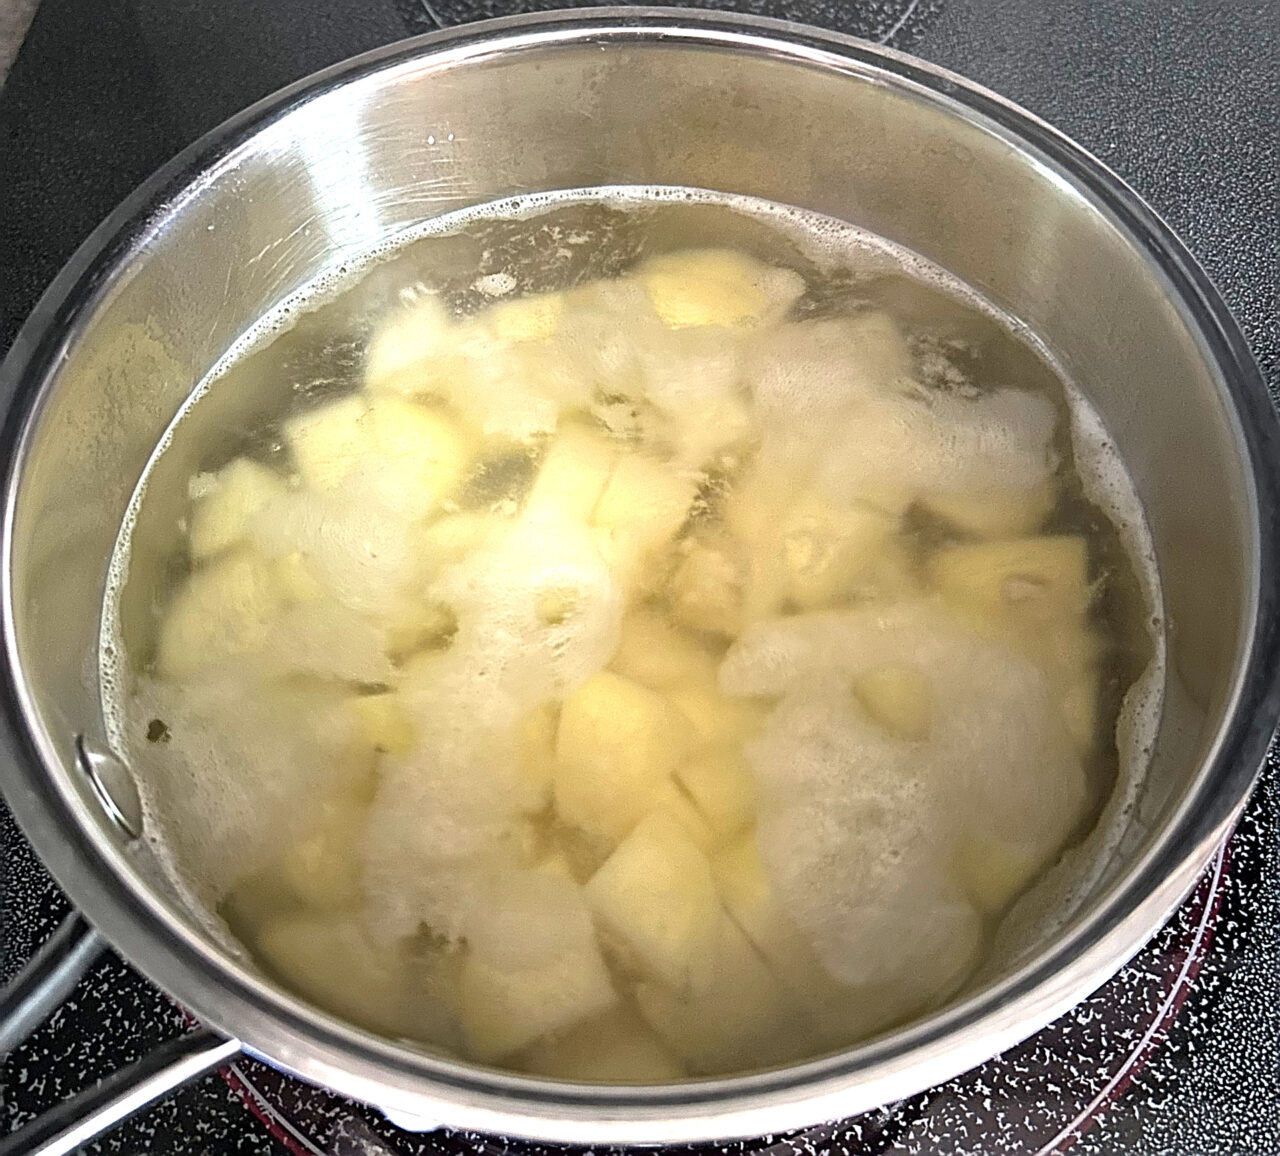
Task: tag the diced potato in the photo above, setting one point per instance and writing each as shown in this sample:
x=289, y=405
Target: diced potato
x=451, y=538
x=422, y=449
x=828, y=548
x=1002, y=514
x=646, y=497
x=1081, y=707
x=532, y=967
x=328, y=960
x=326, y=443
x=899, y=699
x=615, y=1048
x=220, y=519
x=715, y=287
x=298, y=582
x=721, y=787
x=656, y=897
x=709, y=588
x=384, y=723
x=538, y=756
x=556, y=864
x=226, y=608
x=617, y=742
x=734, y=1014
x=1024, y=583
x=716, y=719
x=418, y=624
x=415, y=352
x=325, y=638
x=321, y=869
x=675, y=803
x=532, y=318
x=574, y=473
x=657, y=655
x=991, y=871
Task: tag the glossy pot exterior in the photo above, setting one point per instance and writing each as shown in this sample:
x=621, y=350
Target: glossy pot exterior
x=344, y=161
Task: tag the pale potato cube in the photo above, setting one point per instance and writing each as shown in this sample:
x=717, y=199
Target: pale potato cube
x=615, y=1048
x=734, y=1015
x=574, y=473
x=616, y=743
x=422, y=448
x=326, y=639
x=899, y=699
x=716, y=719
x=415, y=352
x=297, y=581
x=384, y=723
x=532, y=318
x=532, y=967
x=326, y=443
x=1081, y=707
x=998, y=514
x=418, y=624
x=634, y=566
x=716, y=287
x=224, y=609
x=537, y=739
x=991, y=871
x=327, y=959
x=828, y=548
x=656, y=898
x=220, y=518
x=672, y=801
x=322, y=868
x=648, y=498
x=657, y=655
x=722, y=788
x=708, y=589
x=556, y=864
x=451, y=538
x=1025, y=583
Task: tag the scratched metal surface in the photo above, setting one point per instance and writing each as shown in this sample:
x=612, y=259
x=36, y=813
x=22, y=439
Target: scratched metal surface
x=1180, y=98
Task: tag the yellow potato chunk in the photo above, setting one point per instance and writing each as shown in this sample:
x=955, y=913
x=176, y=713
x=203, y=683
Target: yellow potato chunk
x=991, y=871
x=532, y=967
x=655, y=654
x=384, y=723
x=326, y=443
x=708, y=589
x=616, y=743
x=321, y=869
x=1023, y=584
x=451, y=538
x=1001, y=514
x=899, y=699
x=422, y=448
x=672, y=801
x=716, y=719
x=574, y=473
x=715, y=287
x=327, y=959
x=532, y=318
x=538, y=756
x=224, y=609
x=828, y=548
x=646, y=497
x=415, y=352
x=721, y=787
x=614, y=1048
x=656, y=898
x=734, y=1014
x=220, y=518
x=1081, y=707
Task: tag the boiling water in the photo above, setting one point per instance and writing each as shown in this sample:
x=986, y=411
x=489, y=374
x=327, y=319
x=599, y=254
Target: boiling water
x=629, y=635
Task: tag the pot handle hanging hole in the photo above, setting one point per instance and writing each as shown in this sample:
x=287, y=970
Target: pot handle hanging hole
x=112, y=783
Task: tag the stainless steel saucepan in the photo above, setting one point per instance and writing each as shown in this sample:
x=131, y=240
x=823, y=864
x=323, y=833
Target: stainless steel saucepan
x=345, y=160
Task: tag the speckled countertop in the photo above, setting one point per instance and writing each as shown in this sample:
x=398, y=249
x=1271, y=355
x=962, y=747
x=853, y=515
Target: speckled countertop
x=1181, y=1053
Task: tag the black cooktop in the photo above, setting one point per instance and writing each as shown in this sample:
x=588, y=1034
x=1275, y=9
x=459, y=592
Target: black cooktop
x=1180, y=1054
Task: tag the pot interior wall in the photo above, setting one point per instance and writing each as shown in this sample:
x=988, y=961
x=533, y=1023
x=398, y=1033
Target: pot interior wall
x=347, y=169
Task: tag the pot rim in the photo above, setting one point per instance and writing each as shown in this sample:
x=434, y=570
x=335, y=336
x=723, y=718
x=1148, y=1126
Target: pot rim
x=288, y=1033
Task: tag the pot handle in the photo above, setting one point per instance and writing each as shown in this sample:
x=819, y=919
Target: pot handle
x=100, y=1108
x=47, y=979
